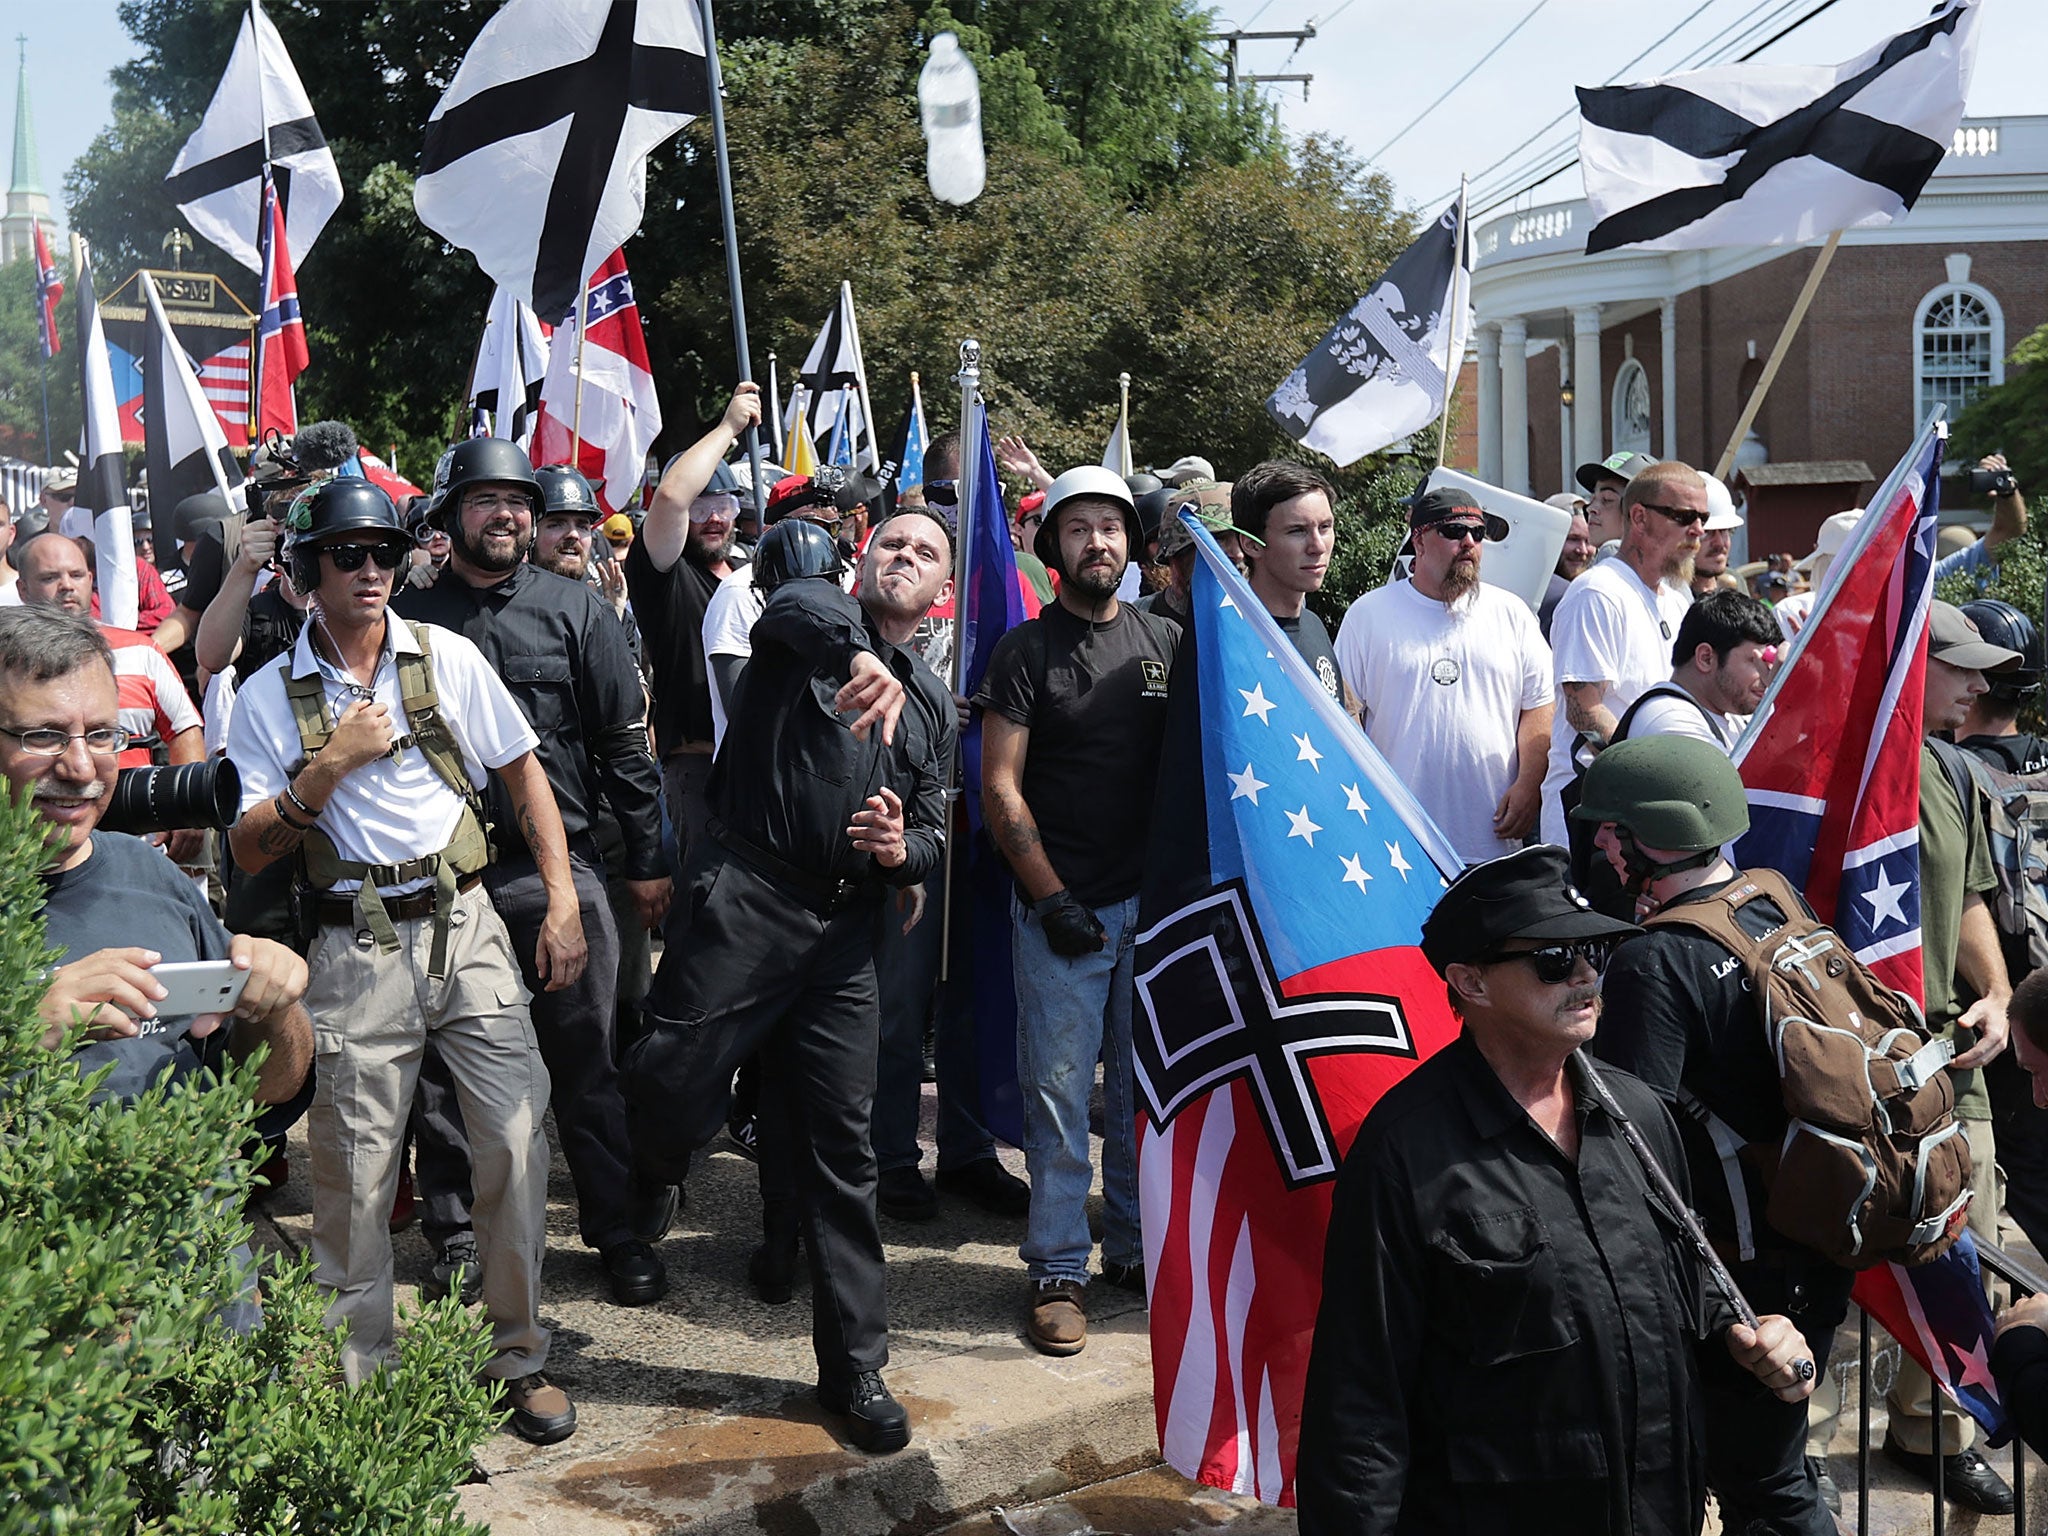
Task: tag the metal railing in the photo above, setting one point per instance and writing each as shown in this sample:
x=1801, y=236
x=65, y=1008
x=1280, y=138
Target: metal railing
x=2025, y=1280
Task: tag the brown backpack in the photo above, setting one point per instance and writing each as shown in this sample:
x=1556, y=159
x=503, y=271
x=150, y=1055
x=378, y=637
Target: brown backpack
x=1874, y=1166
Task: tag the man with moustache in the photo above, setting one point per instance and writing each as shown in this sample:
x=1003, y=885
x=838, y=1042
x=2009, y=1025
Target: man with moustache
x=561, y=652
x=387, y=832
x=685, y=549
x=1611, y=635
x=1717, y=538
x=1073, y=719
x=828, y=791
x=1494, y=1256
x=1454, y=680
x=1286, y=516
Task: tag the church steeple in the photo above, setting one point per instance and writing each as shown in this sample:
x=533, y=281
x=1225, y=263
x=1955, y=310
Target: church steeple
x=27, y=204
x=27, y=176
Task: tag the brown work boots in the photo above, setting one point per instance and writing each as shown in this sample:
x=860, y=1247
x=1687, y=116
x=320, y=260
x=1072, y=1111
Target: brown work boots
x=1059, y=1316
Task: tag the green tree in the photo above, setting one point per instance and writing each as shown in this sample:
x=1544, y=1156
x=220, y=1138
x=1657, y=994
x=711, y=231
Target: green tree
x=2012, y=419
x=23, y=372
x=128, y=1404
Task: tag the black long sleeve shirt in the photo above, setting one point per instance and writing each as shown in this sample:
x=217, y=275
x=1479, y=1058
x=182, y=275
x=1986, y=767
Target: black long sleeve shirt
x=561, y=651
x=1506, y=1335
x=790, y=776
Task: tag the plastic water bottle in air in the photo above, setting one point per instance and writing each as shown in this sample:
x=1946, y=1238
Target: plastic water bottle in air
x=949, y=98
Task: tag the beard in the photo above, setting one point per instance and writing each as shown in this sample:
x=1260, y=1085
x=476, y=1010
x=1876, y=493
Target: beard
x=703, y=551
x=1461, y=578
x=1097, y=581
x=573, y=564
x=1678, y=568
x=474, y=553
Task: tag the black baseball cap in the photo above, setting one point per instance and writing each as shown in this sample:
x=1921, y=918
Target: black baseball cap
x=1528, y=895
x=1446, y=502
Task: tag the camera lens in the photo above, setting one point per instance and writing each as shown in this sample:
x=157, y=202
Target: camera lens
x=172, y=798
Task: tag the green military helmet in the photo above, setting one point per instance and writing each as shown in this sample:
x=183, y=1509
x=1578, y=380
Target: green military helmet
x=1676, y=793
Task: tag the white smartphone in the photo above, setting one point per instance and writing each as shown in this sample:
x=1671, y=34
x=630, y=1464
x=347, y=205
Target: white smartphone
x=198, y=986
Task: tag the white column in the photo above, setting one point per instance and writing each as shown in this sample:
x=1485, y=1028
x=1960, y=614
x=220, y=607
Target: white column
x=1589, y=413
x=1489, y=404
x=1667, y=351
x=1567, y=416
x=1514, y=405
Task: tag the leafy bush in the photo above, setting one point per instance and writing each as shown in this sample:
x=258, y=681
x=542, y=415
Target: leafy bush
x=129, y=1404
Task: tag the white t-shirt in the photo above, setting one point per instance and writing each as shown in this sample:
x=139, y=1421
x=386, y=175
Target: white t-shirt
x=1666, y=714
x=1444, y=690
x=393, y=809
x=1609, y=628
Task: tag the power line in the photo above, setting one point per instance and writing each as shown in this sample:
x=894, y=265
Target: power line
x=1528, y=16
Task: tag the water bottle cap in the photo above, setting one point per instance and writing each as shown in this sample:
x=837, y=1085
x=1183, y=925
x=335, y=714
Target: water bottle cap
x=945, y=45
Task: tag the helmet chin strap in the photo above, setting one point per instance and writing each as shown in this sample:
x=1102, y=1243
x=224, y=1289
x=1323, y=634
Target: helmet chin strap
x=1644, y=871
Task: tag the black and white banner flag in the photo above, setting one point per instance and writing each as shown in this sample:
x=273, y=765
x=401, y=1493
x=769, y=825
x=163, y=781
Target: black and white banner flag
x=536, y=156
x=511, y=363
x=1379, y=373
x=217, y=179
x=102, y=477
x=183, y=445
x=1772, y=154
x=835, y=383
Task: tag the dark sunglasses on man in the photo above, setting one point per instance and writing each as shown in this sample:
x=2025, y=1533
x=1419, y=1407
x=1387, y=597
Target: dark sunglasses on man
x=1554, y=963
x=389, y=555
x=942, y=493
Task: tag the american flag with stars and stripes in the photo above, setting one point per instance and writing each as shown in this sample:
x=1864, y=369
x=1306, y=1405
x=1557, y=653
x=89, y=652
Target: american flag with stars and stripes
x=1280, y=990
x=1832, y=763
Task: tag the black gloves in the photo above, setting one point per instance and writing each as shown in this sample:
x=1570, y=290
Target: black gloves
x=1070, y=928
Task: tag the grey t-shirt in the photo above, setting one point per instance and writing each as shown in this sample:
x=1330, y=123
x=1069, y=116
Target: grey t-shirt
x=127, y=894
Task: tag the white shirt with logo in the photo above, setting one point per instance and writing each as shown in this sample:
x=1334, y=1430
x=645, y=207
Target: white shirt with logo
x=1444, y=689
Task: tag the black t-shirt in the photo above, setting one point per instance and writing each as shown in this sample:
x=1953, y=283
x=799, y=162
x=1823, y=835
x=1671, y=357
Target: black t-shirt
x=2023, y=753
x=1094, y=699
x=669, y=609
x=205, y=571
x=1677, y=1011
x=270, y=628
x=1312, y=638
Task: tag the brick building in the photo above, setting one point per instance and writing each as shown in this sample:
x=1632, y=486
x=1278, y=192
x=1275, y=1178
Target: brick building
x=1576, y=356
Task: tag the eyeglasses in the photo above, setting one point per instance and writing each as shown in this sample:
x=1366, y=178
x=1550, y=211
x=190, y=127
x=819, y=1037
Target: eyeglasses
x=705, y=508
x=1685, y=517
x=1459, y=533
x=64, y=496
x=350, y=557
x=1031, y=520
x=497, y=501
x=46, y=741
x=944, y=493
x=1554, y=963
x=424, y=535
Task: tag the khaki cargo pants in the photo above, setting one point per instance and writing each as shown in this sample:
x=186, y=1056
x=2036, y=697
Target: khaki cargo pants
x=371, y=1015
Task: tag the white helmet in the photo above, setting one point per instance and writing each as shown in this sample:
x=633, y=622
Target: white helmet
x=1083, y=480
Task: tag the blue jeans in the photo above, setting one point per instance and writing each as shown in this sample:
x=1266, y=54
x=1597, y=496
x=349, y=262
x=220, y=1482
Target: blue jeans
x=1069, y=1012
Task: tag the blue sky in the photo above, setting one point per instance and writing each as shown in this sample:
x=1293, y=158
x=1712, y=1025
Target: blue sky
x=1377, y=64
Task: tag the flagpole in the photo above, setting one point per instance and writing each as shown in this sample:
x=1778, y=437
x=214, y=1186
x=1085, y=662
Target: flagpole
x=732, y=249
x=917, y=406
x=1778, y=351
x=773, y=413
x=576, y=412
x=46, y=401
x=256, y=337
x=1459, y=299
x=860, y=374
x=969, y=479
x=1123, y=416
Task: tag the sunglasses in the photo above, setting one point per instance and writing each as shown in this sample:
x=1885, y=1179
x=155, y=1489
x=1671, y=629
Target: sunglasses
x=944, y=493
x=350, y=557
x=1554, y=963
x=1459, y=533
x=1685, y=517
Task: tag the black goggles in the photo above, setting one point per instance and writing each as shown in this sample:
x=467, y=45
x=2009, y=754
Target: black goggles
x=350, y=557
x=1554, y=963
x=942, y=493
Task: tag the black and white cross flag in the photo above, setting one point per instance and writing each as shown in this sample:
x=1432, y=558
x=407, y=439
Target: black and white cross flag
x=102, y=477
x=511, y=363
x=835, y=381
x=1770, y=154
x=217, y=179
x=183, y=444
x=1379, y=373
x=536, y=156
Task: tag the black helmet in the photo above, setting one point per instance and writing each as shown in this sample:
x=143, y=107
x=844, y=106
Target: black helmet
x=1149, y=495
x=563, y=490
x=191, y=515
x=478, y=460
x=2004, y=625
x=345, y=504
x=793, y=548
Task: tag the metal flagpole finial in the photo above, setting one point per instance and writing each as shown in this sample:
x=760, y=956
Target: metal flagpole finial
x=970, y=358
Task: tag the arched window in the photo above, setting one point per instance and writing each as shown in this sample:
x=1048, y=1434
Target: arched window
x=1629, y=416
x=1959, y=348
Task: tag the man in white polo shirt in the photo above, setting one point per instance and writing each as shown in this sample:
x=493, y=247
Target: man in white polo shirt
x=1611, y=635
x=1454, y=680
x=361, y=751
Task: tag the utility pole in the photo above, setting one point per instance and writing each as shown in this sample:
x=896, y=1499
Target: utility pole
x=1231, y=40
